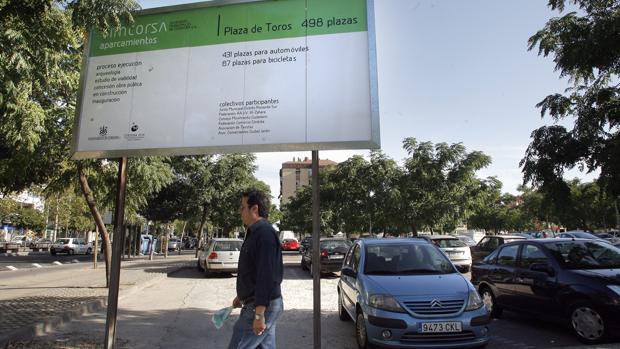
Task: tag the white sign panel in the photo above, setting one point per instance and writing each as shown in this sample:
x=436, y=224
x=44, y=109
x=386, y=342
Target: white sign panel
x=252, y=76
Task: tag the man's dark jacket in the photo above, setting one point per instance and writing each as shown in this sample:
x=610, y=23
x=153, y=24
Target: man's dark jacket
x=260, y=265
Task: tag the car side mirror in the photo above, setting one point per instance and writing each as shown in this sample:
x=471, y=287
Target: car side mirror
x=349, y=272
x=543, y=268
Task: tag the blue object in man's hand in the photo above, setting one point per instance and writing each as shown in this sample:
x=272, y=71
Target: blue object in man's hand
x=220, y=316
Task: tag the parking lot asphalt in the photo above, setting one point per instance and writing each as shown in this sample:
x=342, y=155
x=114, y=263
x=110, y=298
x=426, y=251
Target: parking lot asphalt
x=175, y=311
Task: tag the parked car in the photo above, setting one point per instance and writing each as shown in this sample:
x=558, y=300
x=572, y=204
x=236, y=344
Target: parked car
x=305, y=242
x=525, y=235
x=41, y=243
x=467, y=240
x=174, y=244
x=189, y=242
x=609, y=236
x=21, y=240
x=405, y=293
x=458, y=252
x=71, y=246
x=332, y=254
x=290, y=245
x=489, y=243
x=576, y=281
x=578, y=234
x=220, y=256
x=543, y=234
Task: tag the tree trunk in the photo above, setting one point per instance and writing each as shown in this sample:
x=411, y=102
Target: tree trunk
x=56, y=220
x=182, y=236
x=203, y=221
x=105, y=237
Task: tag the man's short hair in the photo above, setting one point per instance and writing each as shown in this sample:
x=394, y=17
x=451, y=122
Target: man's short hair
x=256, y=197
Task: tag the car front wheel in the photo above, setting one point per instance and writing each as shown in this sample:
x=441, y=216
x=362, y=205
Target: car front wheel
x=360, y=332
x=489, y=300
x=587, y=323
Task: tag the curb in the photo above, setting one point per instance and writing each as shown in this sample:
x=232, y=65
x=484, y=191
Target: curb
x=25, y=253
x=52, y=323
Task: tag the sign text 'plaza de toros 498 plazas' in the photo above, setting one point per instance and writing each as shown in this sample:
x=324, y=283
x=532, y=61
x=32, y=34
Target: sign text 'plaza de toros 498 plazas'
x=228, y=76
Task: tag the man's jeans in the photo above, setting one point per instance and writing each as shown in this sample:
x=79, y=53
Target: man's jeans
x=243, y=336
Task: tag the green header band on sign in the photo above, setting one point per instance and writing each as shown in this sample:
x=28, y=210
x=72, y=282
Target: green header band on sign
x=263, y=20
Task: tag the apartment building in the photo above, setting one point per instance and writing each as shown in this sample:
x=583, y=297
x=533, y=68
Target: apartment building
x=296, y=174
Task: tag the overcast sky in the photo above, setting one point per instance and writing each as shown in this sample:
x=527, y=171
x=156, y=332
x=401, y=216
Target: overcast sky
x=453, y=71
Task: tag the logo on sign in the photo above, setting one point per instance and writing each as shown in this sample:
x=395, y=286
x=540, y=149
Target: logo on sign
x=134, y=127
x=103, y=131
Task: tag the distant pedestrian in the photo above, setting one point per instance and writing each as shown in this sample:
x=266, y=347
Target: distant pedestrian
x=259, y=277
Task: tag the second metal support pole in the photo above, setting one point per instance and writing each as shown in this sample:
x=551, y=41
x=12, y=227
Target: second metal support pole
x=316, y=261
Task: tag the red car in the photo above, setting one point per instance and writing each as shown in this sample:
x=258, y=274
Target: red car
x=290, y=245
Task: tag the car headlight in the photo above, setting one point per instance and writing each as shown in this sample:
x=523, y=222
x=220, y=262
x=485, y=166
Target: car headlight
x=474, y=302
x=615, y=288
x=385, y=302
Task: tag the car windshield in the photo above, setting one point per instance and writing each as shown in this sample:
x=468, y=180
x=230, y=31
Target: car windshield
x=62, y=241
x=443, y=243
x=467, y=240
x=335, y=245
x=585, y=254
x=405, y=259
x=227, y=246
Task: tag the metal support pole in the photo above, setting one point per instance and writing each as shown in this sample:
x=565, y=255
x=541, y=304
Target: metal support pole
x=617, y=214
x=117, y=250
x=316, y=261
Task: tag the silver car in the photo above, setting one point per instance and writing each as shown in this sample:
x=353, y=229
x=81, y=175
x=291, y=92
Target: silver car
x=458, y=251
x=220, y=256
x=174, y=244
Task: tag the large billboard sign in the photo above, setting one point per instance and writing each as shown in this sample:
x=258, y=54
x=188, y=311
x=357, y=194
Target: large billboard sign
x=219, y=77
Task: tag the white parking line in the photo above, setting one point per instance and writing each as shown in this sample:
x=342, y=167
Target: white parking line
x=10, y=267
x=57, y=263
x=37, y=265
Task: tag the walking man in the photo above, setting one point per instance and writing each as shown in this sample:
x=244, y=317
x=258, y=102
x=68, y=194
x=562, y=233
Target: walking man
x=259, y=277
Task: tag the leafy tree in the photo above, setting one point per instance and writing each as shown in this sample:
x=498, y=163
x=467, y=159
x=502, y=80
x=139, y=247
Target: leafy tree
x=205, y=188
x=585, y=47
x=438, y=183
x=40, y=56
x=350, y=198
x=498, y=212
x=297, y=213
